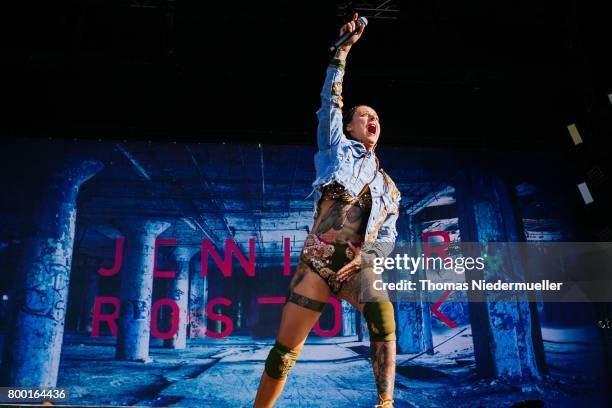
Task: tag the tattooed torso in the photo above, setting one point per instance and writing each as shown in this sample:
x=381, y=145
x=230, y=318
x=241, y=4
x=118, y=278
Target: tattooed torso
x=340, y=222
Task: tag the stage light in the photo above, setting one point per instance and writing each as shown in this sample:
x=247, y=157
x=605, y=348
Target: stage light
x=573, y=131
x=586, y=194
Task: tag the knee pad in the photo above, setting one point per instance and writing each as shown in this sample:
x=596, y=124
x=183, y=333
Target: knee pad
x=280, y=361
x=381, y=320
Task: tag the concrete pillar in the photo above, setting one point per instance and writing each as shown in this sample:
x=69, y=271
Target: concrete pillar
x=34, y=346
x=198, y=297
x=501, y=330
x=136, y=288
x=179, y=292
x=516, y=232
x=414, y=317
x=93, y=284
x=348, y=319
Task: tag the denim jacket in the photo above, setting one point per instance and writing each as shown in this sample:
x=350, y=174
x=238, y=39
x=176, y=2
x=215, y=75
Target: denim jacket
x=349, y=163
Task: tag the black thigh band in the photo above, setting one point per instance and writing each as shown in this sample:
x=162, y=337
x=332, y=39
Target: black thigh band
x=306, y=302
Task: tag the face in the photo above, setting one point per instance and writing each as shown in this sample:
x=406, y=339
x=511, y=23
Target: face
x=364, y=126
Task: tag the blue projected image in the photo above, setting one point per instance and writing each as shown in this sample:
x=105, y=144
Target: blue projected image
x=155, y=274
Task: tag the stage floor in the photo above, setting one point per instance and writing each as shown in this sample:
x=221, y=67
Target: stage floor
x=333, y=372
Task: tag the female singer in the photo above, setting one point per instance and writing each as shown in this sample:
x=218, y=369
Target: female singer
x=356, y=211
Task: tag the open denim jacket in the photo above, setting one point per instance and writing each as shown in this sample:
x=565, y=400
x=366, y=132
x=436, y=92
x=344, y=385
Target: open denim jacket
x=347, y=162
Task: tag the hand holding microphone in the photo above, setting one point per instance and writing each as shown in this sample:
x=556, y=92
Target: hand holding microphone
x=349, y=34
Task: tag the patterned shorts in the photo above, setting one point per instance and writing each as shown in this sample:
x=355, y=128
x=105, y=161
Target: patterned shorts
x=326, y=259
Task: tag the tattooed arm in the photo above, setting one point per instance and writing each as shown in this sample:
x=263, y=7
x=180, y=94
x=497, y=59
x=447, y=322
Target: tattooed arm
x=329, y=131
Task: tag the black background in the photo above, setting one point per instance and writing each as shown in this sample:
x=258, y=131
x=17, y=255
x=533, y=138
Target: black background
x=477, y=74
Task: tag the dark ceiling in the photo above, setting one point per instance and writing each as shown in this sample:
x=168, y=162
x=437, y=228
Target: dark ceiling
x=440, y=73
x=249, y=191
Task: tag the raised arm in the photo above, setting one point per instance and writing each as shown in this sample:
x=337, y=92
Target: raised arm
x=329, y=131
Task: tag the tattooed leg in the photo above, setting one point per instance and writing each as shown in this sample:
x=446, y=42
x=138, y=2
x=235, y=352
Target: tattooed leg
x=296, y=323
x=383, y=363
x=299, y=299
x=300, y=273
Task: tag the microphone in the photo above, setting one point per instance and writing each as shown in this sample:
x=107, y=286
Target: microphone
x=362, y=21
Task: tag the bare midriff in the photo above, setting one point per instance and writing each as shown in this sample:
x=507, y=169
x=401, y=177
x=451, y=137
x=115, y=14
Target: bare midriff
x=340, y=220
